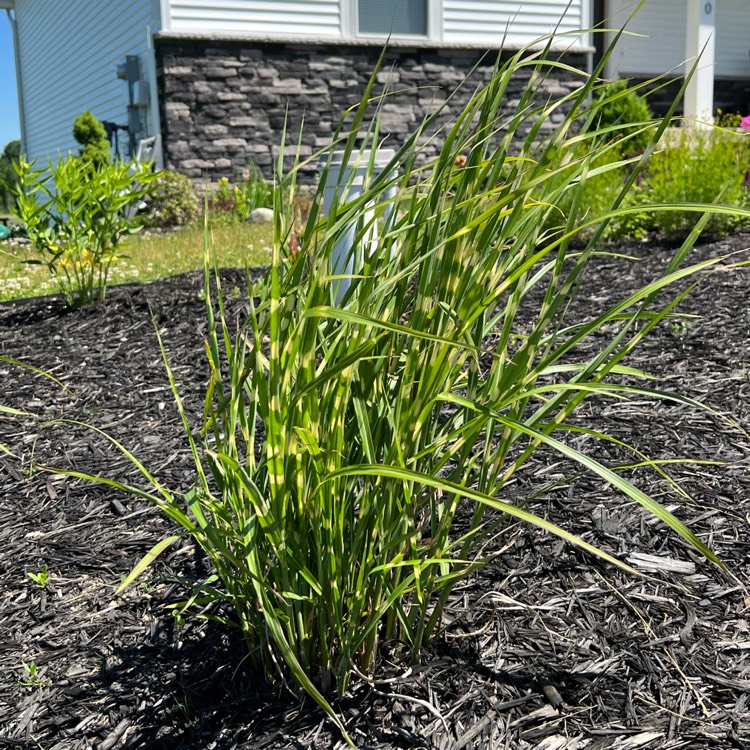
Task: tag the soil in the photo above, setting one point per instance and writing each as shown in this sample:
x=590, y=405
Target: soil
x=544, y=648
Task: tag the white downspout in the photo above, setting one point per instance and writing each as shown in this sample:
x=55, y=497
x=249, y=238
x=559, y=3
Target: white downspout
x=19, y=77
x=153, y=97
x=700, y=42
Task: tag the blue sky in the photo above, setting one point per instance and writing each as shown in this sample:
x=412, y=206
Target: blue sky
x=9, y=126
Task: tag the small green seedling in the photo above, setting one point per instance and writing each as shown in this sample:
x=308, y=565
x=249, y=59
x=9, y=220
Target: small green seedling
x=41, y=578
x=32, y=678
x=681, y=328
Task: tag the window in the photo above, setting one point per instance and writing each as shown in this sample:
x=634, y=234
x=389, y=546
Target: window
x=397, y=17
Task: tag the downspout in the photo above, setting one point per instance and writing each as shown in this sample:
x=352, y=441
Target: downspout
x=19, y=77
x=154, y=97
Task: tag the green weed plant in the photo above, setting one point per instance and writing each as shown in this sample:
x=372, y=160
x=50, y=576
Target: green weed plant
x=339, y=442
x=41, y=579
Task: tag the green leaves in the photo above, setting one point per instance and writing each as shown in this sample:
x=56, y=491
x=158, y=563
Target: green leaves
x=78, y=214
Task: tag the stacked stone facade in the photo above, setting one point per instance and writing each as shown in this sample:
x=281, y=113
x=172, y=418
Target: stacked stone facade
x=225, y=104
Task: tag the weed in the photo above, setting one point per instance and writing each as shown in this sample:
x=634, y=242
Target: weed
x=32, y=676
x=41, y=578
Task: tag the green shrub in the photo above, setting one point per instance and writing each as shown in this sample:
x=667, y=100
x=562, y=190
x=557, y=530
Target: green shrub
x=8, y=178
x=623, y=116
x=77, y=218
x=727, y=119
x=697, y=166
x=340, y=440
x=92, y=136
x=171, y=201
x=236, y=202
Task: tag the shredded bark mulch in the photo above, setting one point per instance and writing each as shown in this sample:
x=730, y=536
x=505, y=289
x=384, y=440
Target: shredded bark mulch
x=545, y=648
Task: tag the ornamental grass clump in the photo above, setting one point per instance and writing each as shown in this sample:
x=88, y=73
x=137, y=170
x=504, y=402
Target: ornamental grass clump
x=340, y=442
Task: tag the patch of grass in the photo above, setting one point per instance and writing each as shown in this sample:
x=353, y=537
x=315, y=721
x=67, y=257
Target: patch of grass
x=148, y=257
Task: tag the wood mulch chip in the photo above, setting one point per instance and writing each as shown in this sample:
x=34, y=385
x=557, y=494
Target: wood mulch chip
x=545, y=648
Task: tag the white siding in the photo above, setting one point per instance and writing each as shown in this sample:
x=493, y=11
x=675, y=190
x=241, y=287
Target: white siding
x=663, y=48
x=69, y=53
x=733, y=38
x=258, y=17
x=516, y=23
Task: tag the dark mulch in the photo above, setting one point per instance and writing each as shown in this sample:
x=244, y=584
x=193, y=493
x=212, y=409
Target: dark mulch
x=546, y=648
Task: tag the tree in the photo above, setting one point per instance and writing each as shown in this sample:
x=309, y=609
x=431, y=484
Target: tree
x=8, y=177
x=91, y=134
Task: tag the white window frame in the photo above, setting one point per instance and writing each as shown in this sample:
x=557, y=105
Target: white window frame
x=350, y=23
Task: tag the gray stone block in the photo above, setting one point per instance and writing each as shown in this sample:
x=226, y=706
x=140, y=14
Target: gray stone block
x=178, y=71
x=243, y=122
x=231, y=143
x=220, y=72
x=215, y=130
x=197, y=164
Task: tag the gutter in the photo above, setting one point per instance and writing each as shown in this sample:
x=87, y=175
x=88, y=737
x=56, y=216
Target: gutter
x=8, y=6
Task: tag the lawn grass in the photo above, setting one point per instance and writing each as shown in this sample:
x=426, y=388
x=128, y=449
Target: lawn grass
x=149, y=256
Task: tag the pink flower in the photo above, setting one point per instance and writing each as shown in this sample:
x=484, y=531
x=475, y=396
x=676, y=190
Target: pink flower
x=745, y=123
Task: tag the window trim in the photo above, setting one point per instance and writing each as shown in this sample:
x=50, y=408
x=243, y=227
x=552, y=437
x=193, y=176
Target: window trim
x=350, y=23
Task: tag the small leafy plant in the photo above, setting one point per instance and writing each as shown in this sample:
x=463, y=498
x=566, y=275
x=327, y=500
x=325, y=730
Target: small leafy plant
x=41, y=578
x=32, y=676
x=77, y=215
x=235, y=202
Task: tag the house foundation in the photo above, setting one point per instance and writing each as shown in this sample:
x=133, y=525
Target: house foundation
x=225, y=104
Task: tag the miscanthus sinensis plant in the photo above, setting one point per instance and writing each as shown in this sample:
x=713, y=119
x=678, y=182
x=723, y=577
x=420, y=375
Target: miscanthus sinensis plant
x=340, y=441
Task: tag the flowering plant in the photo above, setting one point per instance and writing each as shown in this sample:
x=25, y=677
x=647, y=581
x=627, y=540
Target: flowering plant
x=77, y=215
x=745, y=123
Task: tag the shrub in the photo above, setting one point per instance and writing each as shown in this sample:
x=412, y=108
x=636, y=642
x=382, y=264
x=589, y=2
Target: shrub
x=622, y=115
x=170, y=202
x=727, y=119
x=255, y=192
x=697, y=166
x=236, y=202
x=92, y=136
x=77, y=219
x=8, y=179
x=341, y=440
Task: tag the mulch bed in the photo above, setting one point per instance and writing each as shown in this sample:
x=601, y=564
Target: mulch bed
x=545, y=648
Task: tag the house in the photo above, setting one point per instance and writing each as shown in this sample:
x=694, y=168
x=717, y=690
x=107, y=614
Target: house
x=218, y=79
x=666, y=33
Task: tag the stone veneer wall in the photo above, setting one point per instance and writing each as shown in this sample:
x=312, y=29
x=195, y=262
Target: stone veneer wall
x=224, y=103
